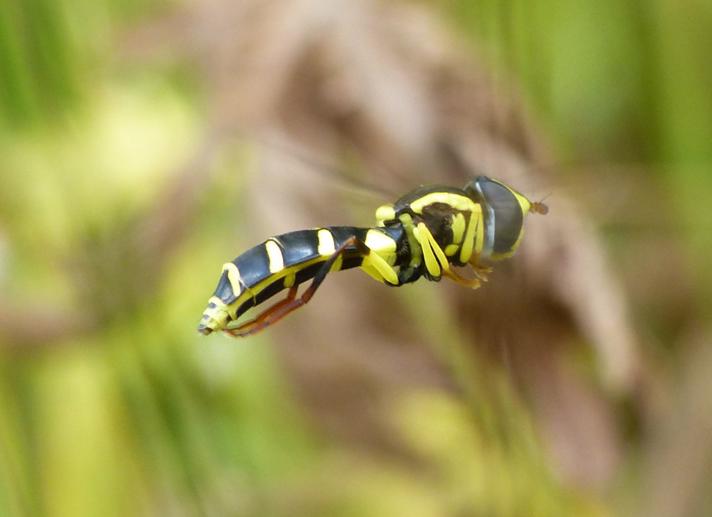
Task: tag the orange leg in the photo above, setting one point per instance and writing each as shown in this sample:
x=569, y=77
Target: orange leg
x=481, y=272
x=266, y=318
x=292, y=303
x=472, y=283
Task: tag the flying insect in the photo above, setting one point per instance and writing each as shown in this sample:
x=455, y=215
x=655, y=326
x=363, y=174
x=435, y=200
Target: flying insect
x=426, y=233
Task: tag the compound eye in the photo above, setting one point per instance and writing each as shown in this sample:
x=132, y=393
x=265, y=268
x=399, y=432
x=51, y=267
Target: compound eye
x=507, y=212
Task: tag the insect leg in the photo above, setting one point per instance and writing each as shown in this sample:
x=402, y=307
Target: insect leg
x=472, y=283
x=481, y=272
x=266, y=318
x=435, y=259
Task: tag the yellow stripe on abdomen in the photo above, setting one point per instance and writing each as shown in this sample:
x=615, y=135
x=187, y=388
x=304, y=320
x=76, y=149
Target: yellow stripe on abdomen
x=275, y=256
x=326, y=246
x=233, y=275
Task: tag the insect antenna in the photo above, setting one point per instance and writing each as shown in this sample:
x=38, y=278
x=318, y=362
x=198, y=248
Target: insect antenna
x=539, y=207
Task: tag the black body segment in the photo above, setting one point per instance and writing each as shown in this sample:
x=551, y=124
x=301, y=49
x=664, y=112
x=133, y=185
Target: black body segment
x=252, y=265
x=224, y=290
x=298, y=247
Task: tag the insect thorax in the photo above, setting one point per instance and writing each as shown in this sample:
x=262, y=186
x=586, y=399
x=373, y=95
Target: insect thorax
x=446, y=211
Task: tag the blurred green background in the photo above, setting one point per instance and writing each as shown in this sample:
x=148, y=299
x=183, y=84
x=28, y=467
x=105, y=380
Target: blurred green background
x=111, y=404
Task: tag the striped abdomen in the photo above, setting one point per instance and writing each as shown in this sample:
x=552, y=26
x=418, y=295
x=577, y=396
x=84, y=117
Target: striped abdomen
x=287, y=260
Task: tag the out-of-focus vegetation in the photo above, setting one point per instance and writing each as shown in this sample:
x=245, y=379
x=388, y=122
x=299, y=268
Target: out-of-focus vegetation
x=111, y=404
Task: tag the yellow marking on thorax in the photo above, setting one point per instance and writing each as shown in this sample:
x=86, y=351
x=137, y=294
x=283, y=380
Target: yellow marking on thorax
x=385, y=213
x=456, y=201
x=326, y=246
x=275, y=256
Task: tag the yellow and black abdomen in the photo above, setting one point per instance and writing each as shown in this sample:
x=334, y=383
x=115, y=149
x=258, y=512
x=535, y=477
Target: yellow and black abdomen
x=281, y=262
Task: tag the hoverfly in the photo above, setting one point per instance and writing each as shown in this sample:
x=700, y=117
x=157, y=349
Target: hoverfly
x=425, y=233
